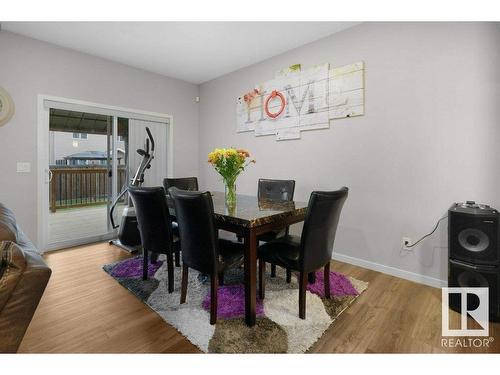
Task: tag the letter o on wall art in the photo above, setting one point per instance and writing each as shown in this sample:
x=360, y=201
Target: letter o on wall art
x=275, y=94
x=6, y=107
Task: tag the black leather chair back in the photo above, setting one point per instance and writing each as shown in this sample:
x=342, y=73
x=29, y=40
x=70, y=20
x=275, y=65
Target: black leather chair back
x=320, y=226
x=153, y=218
x=276, y=190
x=198, y=236
x=185, y=183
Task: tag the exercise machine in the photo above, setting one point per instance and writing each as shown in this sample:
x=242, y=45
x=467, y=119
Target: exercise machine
x=129, y=238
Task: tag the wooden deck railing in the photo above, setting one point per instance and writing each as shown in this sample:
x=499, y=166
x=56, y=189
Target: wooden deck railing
x=81, y=185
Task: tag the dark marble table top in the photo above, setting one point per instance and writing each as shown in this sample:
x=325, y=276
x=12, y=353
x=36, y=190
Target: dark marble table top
x=251, y=212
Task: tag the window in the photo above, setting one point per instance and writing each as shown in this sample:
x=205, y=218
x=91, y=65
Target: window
x=80, y=135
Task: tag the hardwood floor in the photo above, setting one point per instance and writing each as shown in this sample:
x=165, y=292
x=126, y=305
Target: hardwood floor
x=84, y=310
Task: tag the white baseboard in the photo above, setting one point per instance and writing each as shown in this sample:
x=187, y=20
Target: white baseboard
x=73, y=243
x=415, y=277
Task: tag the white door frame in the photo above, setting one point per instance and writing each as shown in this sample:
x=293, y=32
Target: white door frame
x=45, y=102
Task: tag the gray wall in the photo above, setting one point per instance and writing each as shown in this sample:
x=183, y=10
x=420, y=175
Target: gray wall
x=29, y=67
x=429, y=137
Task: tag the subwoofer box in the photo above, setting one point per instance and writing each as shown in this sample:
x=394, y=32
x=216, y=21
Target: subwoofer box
x=465, y=275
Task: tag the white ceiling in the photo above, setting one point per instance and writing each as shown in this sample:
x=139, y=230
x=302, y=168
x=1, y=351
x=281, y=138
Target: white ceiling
x=192, y=51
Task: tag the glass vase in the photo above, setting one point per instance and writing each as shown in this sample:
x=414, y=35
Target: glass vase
x=230, y=193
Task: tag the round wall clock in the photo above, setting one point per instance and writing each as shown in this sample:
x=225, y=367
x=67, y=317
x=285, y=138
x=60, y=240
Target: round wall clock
x=6, y=107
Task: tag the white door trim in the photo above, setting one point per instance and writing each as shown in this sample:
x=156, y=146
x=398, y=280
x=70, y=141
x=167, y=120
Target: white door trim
x=103, y=109
x=43, y=173
x=48, y=101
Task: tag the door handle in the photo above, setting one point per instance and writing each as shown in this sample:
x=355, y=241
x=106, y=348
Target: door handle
x=51, y=175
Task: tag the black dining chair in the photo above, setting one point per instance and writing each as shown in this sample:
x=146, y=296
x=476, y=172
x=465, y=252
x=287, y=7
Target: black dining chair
x=183, y=183
x=155, y=227
x=202, y=250
x=276, y=191
x=313, y=250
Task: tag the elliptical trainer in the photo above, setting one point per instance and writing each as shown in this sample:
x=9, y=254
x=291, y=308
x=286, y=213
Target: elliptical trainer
x=129, y=238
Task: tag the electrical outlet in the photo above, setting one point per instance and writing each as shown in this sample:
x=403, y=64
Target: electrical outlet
x=406, y=241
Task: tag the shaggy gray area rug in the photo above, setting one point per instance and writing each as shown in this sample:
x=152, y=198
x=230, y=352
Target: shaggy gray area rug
x=279, y=328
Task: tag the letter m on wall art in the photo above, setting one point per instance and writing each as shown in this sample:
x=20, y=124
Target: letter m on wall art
x=297, y=100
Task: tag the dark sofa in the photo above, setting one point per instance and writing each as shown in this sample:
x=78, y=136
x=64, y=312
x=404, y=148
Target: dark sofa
x=23, y=278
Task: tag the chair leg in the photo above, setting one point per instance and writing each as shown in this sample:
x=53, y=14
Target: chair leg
x=311, y=277
x=170, y=272
x=177, y=258
x=221, y=278
x=288, y=276
x=213, y=299
x=273, y=270
x=184, y=283
x=302, y=295
x=145, y=265
x=262, y=279
x=326, y=271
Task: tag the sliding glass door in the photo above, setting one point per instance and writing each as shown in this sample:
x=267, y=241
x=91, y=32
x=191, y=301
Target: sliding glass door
x=90, y=160
x=80, y=176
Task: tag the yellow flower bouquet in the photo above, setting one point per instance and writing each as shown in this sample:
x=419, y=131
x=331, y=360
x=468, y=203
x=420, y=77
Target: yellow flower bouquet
x=229, y=163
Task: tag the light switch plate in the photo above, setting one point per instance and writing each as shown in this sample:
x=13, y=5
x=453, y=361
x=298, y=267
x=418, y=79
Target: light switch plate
x=23, y=167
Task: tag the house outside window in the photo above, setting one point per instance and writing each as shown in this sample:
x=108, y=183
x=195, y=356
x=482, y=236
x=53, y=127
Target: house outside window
x=80, y=135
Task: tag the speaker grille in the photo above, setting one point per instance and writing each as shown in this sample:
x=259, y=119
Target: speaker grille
x=471, y=279
x=473, y=238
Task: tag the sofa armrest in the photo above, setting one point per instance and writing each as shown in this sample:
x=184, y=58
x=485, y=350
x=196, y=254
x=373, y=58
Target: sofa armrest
x=27, y=291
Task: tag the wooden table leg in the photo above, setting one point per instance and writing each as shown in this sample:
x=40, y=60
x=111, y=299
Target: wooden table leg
x=250, y=276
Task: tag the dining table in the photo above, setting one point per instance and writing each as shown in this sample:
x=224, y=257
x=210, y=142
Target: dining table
x=249, y=218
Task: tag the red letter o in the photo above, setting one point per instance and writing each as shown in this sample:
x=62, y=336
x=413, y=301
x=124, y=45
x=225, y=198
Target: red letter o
x=282, y=107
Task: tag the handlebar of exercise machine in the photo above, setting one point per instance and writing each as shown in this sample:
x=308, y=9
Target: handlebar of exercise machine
x=147, y=157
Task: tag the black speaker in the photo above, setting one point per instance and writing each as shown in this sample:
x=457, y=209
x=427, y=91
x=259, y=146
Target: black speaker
x=474, y=253
x=466, y=275
x=473, y=233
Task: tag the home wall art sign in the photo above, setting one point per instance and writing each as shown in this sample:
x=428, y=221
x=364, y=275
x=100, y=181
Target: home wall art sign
x=297, y=100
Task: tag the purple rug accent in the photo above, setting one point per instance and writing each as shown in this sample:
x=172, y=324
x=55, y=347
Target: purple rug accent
x=231, y=302
x=339, y=285
x=132, y=267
